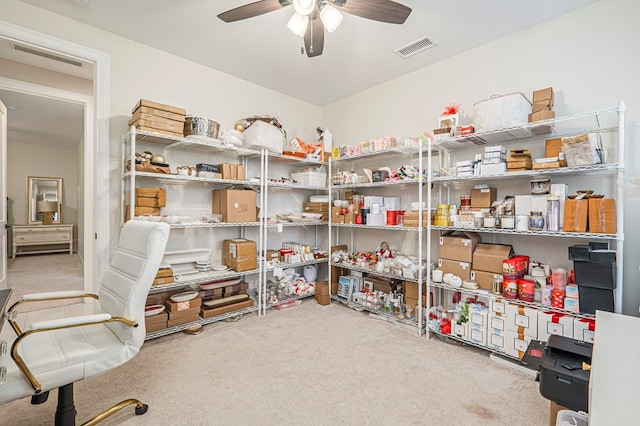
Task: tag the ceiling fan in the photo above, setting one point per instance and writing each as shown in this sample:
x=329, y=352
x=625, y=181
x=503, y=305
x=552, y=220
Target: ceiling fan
x=312, y=17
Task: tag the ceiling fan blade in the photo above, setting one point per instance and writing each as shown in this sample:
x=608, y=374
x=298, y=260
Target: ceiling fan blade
x=252, y=9
x=378, y=10
x=314, y=36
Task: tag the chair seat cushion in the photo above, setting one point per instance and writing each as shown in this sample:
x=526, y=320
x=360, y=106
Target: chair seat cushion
x=64, y=356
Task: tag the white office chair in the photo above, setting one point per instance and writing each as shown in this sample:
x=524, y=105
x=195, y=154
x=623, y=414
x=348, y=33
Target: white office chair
x=56, y=353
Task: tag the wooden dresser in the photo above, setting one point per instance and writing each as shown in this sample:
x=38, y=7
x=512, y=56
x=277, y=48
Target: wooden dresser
x=42, y=238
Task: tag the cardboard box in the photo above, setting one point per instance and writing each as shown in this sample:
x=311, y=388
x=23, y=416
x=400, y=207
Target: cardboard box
x=163, y=280
x=554, y=323
x=151, y=197
x=160, y=131
x=157, y=105
x=166, y=121
x=454, y=246
x=489, y=257
x=584, y=329
x=349, y=218
x=239, y=171
x=226, y=170
x=484, y=279
x=139, y=211
x=545, y=94
x=553, y=148
x=240, y=254
x=461, y=269
x=410, y=289
x=162, y=124
x=184, y=319
x=496, y=322
x=554, y=408
x=156, y=322
x=516, y=344
x=322, y=288
x=158, y=113
x=235, y=205
x=522, y=320
x=164, y=273
x=496, y=340
x=380, y=284
x=575, y=215
x=541, y=106
x=483, y=198
x=546, y=165
x=541, y=115
x=323, y=300
x=174, y=307
x=602, y=215
x=341, y=247
x=207, y=313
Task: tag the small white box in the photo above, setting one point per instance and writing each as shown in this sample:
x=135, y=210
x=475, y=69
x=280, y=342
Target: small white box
x=392, y=203
x=493, y=169
x=496, y=340
x=498, y=307
x=523, y=204
x=584, y=329
x=522, y=320
x=496, y=322
x=516, y=344
x=571, y=304
x=478, y=315
x=550, y=323
x=477, y=335
x=571, y=291
x=460, y=330
x=370, y=200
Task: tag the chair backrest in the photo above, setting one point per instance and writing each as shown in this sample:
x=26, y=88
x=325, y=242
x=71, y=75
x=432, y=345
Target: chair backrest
x=125, y=285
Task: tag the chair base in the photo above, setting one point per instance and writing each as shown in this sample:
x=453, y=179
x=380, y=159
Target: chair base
x=66, y=410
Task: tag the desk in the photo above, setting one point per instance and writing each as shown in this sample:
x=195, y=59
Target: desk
x=42, y=235
x=615, y=371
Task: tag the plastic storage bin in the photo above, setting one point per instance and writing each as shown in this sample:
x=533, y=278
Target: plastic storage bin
x=571, y=418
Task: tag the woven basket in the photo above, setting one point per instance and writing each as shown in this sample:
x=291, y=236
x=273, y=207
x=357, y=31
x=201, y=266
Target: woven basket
x=499, y=111
x=310, y=178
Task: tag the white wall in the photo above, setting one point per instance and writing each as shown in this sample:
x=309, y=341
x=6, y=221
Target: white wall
x=138, y=71
x=587, y=56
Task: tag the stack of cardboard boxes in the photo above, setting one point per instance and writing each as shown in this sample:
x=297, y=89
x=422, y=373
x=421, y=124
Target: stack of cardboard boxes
x=542, y=108
x=160, y=118
x=322, y=293
x=148, y=202
x=164, y=276
x=456, y=253
x=519, y=159
x=318, y=207
x=487, y=263
x=228, y=297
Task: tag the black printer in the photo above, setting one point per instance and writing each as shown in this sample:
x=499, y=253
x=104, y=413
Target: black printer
x=563, y=378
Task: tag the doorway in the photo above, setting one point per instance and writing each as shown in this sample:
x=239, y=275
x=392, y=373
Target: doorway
x=93, y=190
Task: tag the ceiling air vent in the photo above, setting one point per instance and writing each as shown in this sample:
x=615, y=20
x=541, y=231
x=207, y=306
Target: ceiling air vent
x=415, y=47
x=47, y=55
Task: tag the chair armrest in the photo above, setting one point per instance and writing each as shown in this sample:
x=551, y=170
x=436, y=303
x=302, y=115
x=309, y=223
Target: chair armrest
x=71, y=321
x=41, y=297
x=46, y=326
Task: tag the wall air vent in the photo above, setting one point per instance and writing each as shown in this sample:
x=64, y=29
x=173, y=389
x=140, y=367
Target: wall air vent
x=46, y=55
x=415, y=47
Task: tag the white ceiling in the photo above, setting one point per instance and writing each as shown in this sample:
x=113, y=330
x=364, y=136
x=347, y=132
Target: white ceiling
x=358, y=55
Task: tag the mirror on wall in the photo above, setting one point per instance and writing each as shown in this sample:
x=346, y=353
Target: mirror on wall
x=44, y=198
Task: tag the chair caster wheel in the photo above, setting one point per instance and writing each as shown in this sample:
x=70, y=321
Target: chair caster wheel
x=142, y=409
x=40, y=398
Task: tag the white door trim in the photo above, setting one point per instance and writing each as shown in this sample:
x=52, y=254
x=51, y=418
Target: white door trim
x=96, y=154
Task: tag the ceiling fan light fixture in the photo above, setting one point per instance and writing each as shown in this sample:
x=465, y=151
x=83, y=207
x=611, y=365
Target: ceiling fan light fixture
x=331, y=17
x=298, y=24
x=304, y=7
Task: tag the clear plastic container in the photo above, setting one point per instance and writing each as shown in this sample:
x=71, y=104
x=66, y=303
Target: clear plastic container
x=553, y=213
x=571, y=418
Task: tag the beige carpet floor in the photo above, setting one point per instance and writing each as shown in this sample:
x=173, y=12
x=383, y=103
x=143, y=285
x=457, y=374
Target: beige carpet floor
x=308, y=365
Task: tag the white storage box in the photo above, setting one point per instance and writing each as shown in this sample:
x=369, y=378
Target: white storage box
x=500, y=111
x=310, y=178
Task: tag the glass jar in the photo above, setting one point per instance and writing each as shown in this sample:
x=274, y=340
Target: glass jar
x=553, y=213
x=536, y=221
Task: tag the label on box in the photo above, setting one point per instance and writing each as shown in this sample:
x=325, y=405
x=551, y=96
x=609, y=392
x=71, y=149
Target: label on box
x=587, y=336
x=553, y=328
x=498, y=307
x=478, y=336
x=477, y=319
x=496, y=341
x=497, y=323
x=521, y=321
x=520, y=345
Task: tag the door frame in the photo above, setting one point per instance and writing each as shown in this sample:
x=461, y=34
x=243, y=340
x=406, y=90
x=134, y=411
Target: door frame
x=96, y=236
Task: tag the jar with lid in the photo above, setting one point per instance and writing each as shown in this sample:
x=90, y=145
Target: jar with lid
x=536, y=221
x=553, y=213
